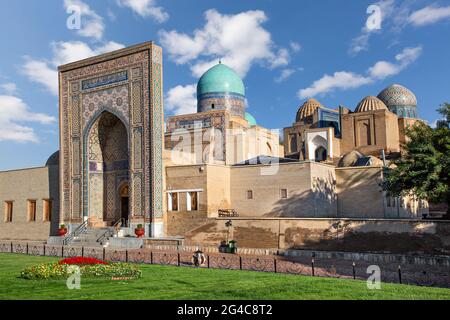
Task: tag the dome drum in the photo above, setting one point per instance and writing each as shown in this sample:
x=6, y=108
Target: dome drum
x=221, y=101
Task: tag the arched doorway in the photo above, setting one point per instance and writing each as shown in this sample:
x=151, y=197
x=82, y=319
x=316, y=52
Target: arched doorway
x=124, y=202
x=108, y=163
x=320, y=154
x=318, y=150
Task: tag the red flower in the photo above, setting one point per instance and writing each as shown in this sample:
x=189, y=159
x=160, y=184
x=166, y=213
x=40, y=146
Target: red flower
x=81, y=261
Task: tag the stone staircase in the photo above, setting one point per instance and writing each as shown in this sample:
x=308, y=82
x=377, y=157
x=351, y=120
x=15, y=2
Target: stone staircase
x=89, y=237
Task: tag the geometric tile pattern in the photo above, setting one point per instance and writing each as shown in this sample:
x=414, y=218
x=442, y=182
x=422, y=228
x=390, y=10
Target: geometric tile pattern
x=127, y=84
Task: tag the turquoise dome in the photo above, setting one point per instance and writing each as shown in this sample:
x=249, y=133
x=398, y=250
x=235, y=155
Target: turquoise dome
x=250, y=119
x=220, y=78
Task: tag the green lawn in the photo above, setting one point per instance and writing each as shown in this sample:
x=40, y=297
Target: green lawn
x=164, y=282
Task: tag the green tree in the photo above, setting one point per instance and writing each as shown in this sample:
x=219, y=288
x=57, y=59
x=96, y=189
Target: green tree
x=424, y=168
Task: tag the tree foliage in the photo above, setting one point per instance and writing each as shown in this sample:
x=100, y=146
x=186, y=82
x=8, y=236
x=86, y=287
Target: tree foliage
x=424, y=167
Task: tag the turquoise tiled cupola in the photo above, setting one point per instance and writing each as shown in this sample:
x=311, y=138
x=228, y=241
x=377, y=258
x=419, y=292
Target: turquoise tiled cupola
x=220, y=78
x=221, y=88
x=250, y=119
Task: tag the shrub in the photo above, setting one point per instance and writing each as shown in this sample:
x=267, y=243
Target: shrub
x=57, y=270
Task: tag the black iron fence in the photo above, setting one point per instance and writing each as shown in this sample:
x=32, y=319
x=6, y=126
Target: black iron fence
x=403, y=274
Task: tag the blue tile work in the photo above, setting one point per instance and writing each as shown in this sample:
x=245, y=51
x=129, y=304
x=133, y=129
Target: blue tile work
x=330, y=119
x=104, y=80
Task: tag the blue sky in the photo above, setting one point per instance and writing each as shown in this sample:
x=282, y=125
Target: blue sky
x=286, y=51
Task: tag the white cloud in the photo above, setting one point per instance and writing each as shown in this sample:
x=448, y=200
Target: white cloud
x=282, y=58
x=384, y=69
x=285, y=74
x=14, y=111
x=40, y=72
x=361, y=42
x=240, y=40
x=45, y=73
x=429, y=15
x=295, y=46
x=182, y=99
x=339, y=80
x=145, y=8
x=66, y=52
x=92, y=25
x=8, y=88
x=395, y=17
x=345, y=80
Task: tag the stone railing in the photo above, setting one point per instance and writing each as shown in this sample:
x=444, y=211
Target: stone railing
x=313, y=265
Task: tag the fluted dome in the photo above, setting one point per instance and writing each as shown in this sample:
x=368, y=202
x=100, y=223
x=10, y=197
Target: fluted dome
x=370, y=103
x=307, y=109
x=399, y=100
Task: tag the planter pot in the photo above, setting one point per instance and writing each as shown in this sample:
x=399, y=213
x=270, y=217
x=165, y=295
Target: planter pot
x=139, y=232
x=62, y=232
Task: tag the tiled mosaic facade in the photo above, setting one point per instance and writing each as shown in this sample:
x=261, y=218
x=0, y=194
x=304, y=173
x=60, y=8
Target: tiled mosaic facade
x=111, y=117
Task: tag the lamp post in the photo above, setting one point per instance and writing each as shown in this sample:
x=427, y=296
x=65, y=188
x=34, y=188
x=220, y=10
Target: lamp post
x=228, y=224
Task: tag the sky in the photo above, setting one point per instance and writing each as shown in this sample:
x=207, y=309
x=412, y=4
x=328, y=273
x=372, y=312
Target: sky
x=285, y=50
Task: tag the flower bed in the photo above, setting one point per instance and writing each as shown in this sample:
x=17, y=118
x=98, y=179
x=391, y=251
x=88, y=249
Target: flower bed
x=59, y=270
x=80, y=261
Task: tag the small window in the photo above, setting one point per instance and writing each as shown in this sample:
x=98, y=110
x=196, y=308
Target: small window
x=213, y=106
x=173, y=201
x=283, y=193
x=249, y=194
x=192, y=201
x=8, y=211
x=47, y=210
x=31, y=210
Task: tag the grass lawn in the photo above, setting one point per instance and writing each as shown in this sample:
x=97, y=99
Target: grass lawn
x=166, y=282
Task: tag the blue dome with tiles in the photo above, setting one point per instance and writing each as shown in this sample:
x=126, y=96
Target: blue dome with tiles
x=220, y=78
x=221, y=88
x=399, y=100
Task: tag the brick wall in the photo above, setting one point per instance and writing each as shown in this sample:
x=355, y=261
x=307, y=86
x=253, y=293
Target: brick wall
x=19, y=186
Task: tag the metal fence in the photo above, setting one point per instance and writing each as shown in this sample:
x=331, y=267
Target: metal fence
x=403, y=274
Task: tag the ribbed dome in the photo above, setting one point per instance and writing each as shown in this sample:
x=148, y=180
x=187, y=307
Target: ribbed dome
x=220, y=79
x=250, y=119
x=370, y=103
x=397, y=95
x=307, y=109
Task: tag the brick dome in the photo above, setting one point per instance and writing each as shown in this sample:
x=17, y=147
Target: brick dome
x=370, y=103
x=307, y=109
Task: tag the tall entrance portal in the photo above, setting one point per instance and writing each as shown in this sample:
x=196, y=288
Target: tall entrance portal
x=111, y=133
x=108, y=159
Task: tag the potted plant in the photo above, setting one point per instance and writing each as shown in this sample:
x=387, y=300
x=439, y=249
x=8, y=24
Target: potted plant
x=232, y=246
x=62, y=231
x=139, y=231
